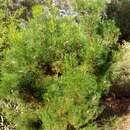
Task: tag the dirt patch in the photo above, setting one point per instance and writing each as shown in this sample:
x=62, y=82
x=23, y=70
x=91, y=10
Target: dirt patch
x=119, y=107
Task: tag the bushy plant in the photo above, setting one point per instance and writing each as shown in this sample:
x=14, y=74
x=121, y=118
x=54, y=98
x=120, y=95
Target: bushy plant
x=73, y=99
x=58, y=64
x=120, y=72
x=102, y=35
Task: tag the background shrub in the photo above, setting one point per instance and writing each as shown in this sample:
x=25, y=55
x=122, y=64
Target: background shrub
x=119, y=10
x=119, y=73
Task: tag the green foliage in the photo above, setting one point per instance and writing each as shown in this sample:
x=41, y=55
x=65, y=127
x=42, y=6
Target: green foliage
x=120, y=11
x=89, y=6
x=37, y=10
x=120, y=72
x=58, y=66
x=73, y=99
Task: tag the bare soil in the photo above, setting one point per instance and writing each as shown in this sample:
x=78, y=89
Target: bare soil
x=121, y=108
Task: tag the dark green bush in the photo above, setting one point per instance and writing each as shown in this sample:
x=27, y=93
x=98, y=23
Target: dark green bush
x=120, y=11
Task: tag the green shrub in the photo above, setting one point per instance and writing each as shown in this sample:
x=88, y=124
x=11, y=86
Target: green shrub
x=59, y=64
x=120, y=72
x=73, y=99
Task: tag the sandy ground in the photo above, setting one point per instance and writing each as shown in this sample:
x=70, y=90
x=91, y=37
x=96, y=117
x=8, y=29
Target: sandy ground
x=125, y=125
x=121, y=107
